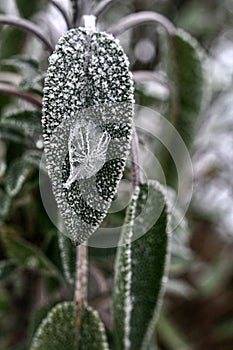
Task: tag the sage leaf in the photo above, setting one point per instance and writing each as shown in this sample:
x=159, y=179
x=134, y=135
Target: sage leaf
x=5, y=203
x=16, y=176
x=141, y=268
x=25, y=254
x=27, y=122
x=87, y=123
x=68, y=258
x=58, y=330
x=187, y=77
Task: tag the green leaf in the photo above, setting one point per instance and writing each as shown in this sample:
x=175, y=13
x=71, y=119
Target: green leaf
x=141, y=268
x=7, y=268
x=28, y=9
x=58, y=330
x=16, y=176
x=87, y=123
x=11, y=41
x=189, y=84
x=187, y=76
x=68, y=257
x=5, y=203
x=27, y=122
x=27, y=255
x=34, y=157
x=9, y=134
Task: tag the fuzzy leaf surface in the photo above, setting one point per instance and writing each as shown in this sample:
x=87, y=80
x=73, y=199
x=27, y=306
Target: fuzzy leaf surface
x=16, y=176
x=187, y=77
x=144, y=260
x=87, y=122
x=57, y=331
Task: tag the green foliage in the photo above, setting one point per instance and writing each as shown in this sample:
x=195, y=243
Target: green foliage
x=68, y=257
x=5, y=203
x=16, y=176
x=7, y=268
x=25, y=254
x=27, y=122
x=59, y=330
x=140, y=269
x=186, y=73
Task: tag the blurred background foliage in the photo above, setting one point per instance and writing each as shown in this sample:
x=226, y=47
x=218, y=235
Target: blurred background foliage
x=198, y=310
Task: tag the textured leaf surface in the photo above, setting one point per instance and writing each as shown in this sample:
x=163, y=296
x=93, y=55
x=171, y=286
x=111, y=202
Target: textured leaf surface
x=189, y=84
x=87, y=120
x=188, y=80
x=140, y=269
x=27, y=122
x=16, y=176
x=68, y=257
x=57, y=331
x=27, y=255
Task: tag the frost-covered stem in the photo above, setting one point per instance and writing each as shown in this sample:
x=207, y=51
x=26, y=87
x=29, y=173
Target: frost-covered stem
x=11, y=90
x=135, y=159
x=28, y=27
x=61, y=9
x=81, y=276
x=101, y=7
x=142, y=17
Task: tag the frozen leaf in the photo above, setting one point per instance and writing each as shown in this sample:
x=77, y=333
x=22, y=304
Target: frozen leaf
x=141, y=268
x=16, y=176
x=87, y=122
x=58, y=330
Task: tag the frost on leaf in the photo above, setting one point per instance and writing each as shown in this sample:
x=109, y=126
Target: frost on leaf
x=87, y=147
x=87, y=122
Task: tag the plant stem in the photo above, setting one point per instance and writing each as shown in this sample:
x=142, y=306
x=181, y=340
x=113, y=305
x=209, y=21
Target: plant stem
x=142, y=17
x=81, y=276
x=28, y=27
x=61, y=9
x=135, y=159
x=11, y=90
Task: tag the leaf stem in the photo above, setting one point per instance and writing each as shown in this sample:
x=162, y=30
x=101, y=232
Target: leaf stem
x=11, y=90
x=81, y=276
x=142, y=17
x=63, y=12
x=135, y=159
x=28, y=27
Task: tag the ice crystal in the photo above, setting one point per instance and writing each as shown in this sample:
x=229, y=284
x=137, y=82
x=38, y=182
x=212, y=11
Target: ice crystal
x=87, y=151
x=87, y=122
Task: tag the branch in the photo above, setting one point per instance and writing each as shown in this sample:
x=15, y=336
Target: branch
x=61, y=9
x=11, y=90
x=101, y=7
x=142, y=17
x=81, y=276
x=28, y=27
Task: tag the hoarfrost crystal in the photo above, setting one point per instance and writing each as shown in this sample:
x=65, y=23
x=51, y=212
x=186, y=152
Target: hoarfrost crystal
x=88, y=146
